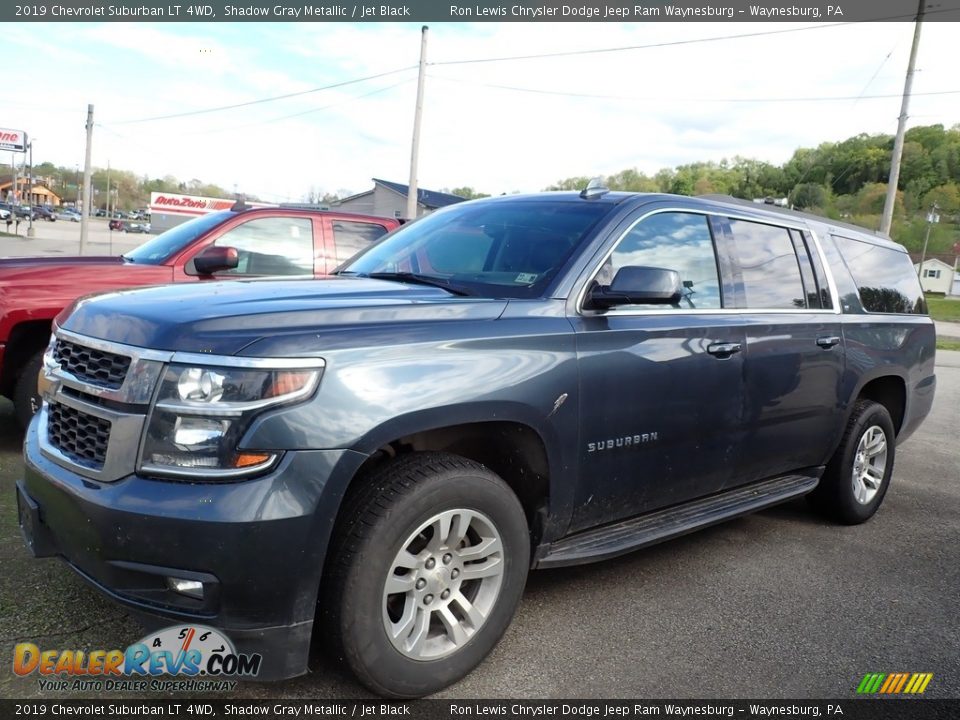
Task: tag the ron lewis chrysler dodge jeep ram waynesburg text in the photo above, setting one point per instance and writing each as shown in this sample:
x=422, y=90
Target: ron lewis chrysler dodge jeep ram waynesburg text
x=512, y=383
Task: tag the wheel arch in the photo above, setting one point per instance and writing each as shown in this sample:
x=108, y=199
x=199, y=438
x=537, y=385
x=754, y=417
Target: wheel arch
x=511, y=446
x=25, y=339
x=889, y=390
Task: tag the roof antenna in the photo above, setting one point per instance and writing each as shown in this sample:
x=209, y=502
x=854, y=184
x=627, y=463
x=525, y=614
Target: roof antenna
x=594, y=189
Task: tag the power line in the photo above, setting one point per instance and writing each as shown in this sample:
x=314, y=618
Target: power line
x=304, y=112
x=595, y=96
x=263, y=100
x=670, y=43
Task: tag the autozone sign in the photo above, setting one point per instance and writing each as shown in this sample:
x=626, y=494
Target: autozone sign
x=177, y=204
x=15, y=140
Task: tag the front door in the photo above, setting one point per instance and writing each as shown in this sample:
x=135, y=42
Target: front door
x=660, y=384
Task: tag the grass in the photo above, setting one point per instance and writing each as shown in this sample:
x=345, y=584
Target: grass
x=942, y=308
x=946, y=344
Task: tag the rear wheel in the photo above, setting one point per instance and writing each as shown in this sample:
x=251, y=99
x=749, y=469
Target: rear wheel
x=425, y=573
x=26, y=399
x=858, y=475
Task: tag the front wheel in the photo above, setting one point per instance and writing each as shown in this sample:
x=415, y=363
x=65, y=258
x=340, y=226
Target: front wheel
x=425, y=573
x=858, y=475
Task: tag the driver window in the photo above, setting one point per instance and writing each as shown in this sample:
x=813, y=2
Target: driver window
x=675, y=241
x=271, y=246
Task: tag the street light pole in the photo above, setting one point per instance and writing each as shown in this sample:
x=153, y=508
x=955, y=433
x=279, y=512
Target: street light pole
x=30, y=230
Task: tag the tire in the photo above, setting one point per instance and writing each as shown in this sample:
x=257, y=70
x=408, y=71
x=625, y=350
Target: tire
x=406, y=506
x=857, y=477
x=26, y=401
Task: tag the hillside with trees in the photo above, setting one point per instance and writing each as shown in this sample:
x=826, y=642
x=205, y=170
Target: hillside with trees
x=841, y=180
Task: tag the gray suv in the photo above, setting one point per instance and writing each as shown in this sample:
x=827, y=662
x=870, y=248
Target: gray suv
x=506, y=384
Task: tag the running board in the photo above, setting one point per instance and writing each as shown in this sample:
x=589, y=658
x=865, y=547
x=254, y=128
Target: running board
x=637, y=532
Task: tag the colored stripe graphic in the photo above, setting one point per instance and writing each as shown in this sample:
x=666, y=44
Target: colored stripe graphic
x=894, y=683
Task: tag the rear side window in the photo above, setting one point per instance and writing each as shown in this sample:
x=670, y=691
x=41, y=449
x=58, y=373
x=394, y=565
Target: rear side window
x=885, y=277
x=768, y=264
x=352, y=237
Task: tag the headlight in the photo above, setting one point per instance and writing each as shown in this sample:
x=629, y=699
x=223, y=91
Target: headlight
x=201, y=413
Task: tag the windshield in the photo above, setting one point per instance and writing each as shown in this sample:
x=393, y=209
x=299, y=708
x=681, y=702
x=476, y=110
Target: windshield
x=496, y=249
x=167, y=244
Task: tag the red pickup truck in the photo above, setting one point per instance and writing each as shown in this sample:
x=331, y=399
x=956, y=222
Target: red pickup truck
x=242, y=242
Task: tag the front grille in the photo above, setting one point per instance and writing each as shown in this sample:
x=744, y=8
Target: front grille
x=78, y=435
x=98, y=367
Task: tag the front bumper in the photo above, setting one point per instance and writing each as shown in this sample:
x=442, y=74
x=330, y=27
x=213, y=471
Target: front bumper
x=257, y=546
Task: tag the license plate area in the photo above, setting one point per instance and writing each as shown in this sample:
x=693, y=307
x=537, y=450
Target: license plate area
x=35, y=536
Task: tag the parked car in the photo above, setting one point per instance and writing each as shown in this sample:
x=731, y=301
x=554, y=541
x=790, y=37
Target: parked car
x=24, y=212
x=511, y=383
x=115, y=224
x=68, y=214
x=42, y=212
x=136, y=227
x=4, y=213
x=240, y=243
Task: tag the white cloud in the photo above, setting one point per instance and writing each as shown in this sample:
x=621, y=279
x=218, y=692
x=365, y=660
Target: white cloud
x=674, y=103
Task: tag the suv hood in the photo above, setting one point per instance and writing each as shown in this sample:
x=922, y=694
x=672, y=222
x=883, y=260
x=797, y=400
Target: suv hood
x=224, y=317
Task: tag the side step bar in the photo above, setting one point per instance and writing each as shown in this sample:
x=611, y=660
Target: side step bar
x=627, y=535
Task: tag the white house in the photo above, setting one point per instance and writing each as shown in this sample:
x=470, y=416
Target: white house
x=936, y=276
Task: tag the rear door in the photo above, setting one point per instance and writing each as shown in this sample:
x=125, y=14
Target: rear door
x=794, y=354
x=345, y=237
x=660, y=384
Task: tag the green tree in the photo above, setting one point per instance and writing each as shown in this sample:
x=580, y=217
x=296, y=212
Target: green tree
x=809, y=195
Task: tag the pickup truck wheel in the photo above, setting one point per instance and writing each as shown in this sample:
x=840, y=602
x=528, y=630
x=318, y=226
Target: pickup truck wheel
x=858, y=474
x=426, y=571
x=26, y=400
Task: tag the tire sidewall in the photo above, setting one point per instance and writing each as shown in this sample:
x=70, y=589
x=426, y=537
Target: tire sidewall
x=848, y=505
x=365, y=642
x=26, y=389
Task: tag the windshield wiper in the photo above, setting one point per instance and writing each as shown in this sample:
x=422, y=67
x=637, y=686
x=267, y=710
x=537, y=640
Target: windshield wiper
x=417, y=279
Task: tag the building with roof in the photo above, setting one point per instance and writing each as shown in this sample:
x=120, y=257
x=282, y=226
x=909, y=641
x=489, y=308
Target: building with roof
x=389, y=199
x=937, y=276
x=37, y=194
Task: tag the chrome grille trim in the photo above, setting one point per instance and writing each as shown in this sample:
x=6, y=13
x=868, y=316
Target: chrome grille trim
x=140, y=379
x=91, y=365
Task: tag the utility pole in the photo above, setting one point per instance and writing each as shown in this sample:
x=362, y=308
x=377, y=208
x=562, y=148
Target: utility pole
x=415, y=150
x=108, y=188
x=891, y=199
x=932, y=217
x=85, y=212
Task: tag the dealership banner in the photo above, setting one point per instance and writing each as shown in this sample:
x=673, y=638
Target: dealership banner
x=486, y=11
x=13, y=140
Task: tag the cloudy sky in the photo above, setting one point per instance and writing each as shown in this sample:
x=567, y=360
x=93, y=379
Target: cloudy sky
x=498, y=126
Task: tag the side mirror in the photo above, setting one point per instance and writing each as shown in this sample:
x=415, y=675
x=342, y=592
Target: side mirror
x=216, y=259
x=638, y=285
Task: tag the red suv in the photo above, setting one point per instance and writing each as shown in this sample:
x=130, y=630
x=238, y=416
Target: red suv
x=242, y=242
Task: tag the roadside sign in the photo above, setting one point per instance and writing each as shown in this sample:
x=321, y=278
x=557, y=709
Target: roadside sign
x=14, y=140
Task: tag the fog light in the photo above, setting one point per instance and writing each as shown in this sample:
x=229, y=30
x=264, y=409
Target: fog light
x=190, y=588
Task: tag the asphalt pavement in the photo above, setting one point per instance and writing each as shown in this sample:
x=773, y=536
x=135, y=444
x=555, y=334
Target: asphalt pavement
x=778, y=604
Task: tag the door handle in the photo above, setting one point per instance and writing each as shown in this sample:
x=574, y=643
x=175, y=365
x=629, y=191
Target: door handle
x=828, y=341
x=723, y=350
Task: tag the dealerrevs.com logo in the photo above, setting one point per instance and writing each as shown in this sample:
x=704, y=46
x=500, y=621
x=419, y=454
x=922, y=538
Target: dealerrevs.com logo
x=179, y=650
